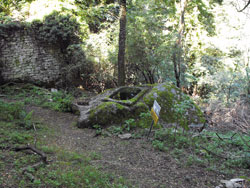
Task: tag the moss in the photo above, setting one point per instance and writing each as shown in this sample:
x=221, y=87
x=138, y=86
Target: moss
x=129, y=102
x=108, y=112
x=139, y=108
x=168, y=96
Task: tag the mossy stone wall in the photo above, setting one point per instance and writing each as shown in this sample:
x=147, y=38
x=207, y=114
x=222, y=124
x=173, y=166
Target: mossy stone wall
x=23, y=58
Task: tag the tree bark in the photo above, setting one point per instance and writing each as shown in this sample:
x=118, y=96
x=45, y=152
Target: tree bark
x=122, y=44
x=177, y=54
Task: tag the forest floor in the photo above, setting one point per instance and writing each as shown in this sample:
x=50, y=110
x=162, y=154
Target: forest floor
x=135, y=159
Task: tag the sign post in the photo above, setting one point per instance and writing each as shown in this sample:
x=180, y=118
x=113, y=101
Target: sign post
x=155, y=113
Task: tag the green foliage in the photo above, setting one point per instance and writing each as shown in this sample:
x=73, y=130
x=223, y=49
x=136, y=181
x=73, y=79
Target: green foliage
x=181, y=110
x=11, y=111
x=146, y=47
x=116, y=130
x=143, y=121
x=98, y=129
x=60, y=100
x=58, y=28
x=4, y=19
x=129, y=124
x=16, y=112
x=152, y=30
x=207, y=149
x=7, y=6
x=97, y=14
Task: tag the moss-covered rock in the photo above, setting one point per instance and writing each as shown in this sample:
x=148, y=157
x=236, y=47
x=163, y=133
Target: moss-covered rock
x=116, y=105
x=113, y=107
x=175, y=105
x=108, y=113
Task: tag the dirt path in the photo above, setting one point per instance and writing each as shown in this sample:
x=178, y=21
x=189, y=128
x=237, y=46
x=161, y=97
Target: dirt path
x=134, y=159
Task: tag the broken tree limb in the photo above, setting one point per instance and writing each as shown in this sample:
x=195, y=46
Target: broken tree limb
x=29, y=147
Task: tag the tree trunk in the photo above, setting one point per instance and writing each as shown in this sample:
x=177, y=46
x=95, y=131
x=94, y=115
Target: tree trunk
x=177, y=54
x=122, y=43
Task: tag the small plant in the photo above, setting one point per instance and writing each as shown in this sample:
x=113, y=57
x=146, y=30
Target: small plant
x=115, y=130
x=181, y=116
x=98, y=129
x=62, y=101
x=129, y=124
x=144, y=120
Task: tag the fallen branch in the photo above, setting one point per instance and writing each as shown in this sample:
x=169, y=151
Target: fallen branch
x=29, y=147
x=35, y=166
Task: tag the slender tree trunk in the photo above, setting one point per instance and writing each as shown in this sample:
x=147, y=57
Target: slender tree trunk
x=177, y=54
x=122, y=43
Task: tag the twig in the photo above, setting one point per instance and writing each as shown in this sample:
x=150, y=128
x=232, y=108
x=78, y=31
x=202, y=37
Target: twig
x=35, y=166
x=219, y=137
x=35, y=141
x=233, y=136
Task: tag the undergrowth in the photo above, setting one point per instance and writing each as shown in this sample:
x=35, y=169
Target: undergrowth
x=226, y=153
x=31, y=94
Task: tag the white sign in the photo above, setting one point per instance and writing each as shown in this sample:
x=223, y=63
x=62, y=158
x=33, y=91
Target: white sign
x=155, y=112
x=157, y=108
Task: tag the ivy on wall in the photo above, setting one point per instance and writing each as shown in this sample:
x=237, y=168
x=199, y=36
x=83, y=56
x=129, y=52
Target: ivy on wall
x=59, y=30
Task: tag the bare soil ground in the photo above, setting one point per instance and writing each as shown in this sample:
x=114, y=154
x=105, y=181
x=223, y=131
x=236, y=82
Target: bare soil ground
x=134, y=159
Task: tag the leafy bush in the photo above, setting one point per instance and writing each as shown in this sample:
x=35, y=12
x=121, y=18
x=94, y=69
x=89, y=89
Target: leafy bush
x=57, y=28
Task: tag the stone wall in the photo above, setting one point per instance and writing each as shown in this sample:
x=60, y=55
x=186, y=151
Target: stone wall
x=23, y=58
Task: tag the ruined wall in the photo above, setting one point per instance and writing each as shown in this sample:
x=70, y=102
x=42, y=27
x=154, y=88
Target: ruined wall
x=23, y=58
